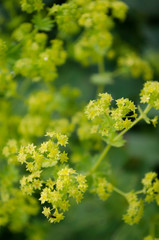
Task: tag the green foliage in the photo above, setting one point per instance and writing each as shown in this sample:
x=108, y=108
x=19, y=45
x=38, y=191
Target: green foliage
x=31, y=5
x=43, y=51
x=43, y=24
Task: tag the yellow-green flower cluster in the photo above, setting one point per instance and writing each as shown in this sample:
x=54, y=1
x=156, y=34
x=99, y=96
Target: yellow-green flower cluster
x=94, y=19
x=42, y=107
x=40, y=102
x=151, y=187
x=47, y=155
x=103, y=188
x=65, y=182
x=38, y=61
x=149, y=237
x=16, y=210
x=66, y=16
x=107, y=121
x=62, y=125
x=22, y=32
x=3, y=49
x=35, y=125
x=99, y=107
x=68, y=184
x=119, y=10
x=136, y=65
x=85, y=129
x=10, y=150
x=150, y=94
x=124, y=107
x=31, y=5
x=32, y=125
x=135, y=209
x=7, y=83
x=8, y=120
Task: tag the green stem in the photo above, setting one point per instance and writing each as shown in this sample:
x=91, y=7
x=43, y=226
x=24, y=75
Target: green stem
x=117, y=190
x=101, y=66
x=104, y=153
x=139, y=192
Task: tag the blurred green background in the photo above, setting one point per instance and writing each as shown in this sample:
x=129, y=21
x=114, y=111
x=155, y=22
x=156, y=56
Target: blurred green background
x=93, y=219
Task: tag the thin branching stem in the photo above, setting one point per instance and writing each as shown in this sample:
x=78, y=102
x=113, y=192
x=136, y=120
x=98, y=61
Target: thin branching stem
x=117, y=190
x=102, y=156
x=107, y=148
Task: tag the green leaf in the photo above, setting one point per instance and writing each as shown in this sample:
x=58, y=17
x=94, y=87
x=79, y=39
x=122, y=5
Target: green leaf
x=48, y=163
x=115, y=143
x=104, y=78
x=43, y=24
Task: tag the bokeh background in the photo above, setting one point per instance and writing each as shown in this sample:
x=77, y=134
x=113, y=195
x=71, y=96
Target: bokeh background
x=92, y=218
